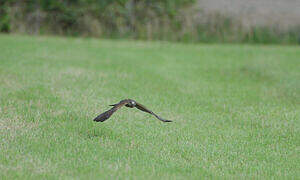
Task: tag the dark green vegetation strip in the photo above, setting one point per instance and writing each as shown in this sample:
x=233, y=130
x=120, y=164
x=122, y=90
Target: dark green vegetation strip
x=171, y=20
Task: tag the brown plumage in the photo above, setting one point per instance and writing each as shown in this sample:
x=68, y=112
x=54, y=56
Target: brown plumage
x=128, y=103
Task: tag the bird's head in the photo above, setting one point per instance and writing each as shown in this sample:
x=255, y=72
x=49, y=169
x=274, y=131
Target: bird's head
x=131, y=103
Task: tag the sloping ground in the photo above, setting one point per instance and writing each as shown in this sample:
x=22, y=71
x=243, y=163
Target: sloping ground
x=235, y=110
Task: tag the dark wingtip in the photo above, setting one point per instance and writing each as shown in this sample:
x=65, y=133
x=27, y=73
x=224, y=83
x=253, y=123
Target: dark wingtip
x=99, y=119
x=167, y=121
x=163, y=120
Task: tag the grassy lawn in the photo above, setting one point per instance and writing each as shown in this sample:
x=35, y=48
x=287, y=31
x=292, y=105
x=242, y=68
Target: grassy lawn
x=236, y=109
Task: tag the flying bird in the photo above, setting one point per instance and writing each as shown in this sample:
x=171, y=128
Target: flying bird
x=128, y=103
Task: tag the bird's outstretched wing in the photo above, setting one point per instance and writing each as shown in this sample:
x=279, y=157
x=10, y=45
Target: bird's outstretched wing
x=104, y=116
x=143, y=108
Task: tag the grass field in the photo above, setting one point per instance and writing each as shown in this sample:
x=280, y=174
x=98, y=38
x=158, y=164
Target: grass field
x=236, y=109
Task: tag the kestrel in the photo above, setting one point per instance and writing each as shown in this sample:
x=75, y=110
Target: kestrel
x=128, y=103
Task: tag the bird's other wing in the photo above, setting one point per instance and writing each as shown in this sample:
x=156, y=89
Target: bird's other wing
x=104, y=116
x=143, y=108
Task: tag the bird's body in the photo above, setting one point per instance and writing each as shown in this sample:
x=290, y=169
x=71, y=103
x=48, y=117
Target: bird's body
x=128, y=103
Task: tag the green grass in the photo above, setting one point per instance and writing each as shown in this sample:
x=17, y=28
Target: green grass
x=236, y=109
